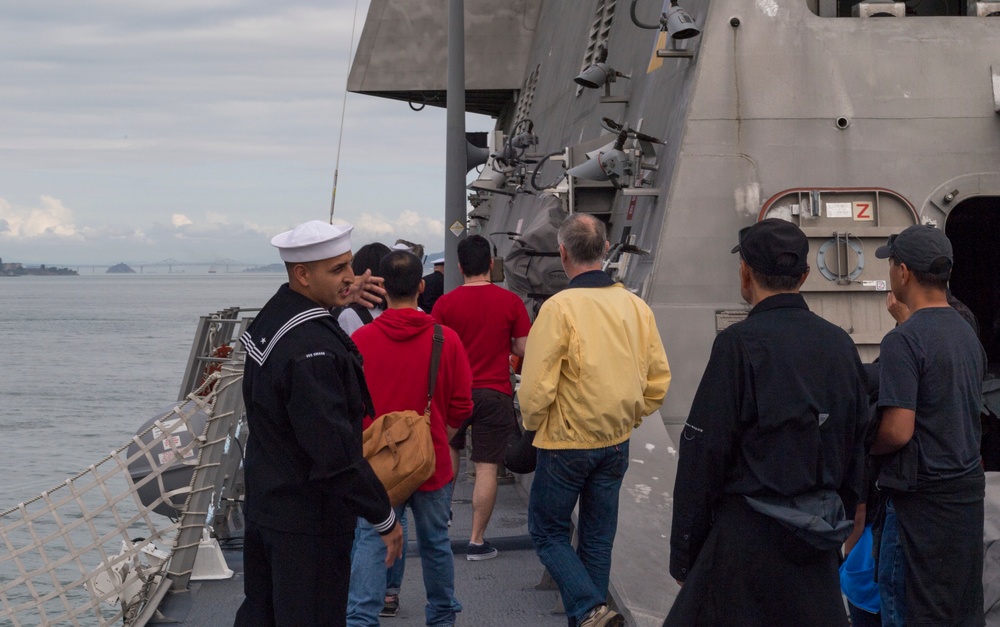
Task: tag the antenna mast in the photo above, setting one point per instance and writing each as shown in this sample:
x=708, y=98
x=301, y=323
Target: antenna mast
x=343, y=110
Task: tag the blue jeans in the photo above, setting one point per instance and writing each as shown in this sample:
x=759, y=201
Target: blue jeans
x=891, y=572
x=561, y=478
x=394, y=575
x=368, y=572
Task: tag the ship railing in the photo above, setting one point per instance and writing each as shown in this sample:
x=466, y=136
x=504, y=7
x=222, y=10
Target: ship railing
x=89, y=551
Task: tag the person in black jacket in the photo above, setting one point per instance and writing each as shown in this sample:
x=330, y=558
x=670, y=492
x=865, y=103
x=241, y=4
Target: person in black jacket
x=306, y=479
x=433, y=287
x=772, y=454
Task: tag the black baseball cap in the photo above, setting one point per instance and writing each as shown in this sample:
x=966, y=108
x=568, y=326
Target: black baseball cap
x=761, y=244
x=922, y=247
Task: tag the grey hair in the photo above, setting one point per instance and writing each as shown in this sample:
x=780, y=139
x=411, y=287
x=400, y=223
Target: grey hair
x=584, y=238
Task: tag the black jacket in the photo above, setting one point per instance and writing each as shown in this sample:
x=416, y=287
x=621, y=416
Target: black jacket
x=304, y=393
x=433, y=290
x=780, y=412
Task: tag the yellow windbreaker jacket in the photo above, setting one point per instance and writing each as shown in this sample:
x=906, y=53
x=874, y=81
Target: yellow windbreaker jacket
x=593, y=367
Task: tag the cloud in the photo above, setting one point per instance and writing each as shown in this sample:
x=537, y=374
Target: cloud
x=408, y=225
x=50, y=218
x=199, y=129
x=46, y=232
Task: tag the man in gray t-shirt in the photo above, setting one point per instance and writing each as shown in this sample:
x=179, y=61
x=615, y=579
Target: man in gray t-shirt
x=929, y=403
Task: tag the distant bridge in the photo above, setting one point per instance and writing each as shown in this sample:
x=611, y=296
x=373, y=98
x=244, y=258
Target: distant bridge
x=221, y=266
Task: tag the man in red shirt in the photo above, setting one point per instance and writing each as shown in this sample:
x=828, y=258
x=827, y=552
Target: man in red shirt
x=492, y=323
x=396, y=348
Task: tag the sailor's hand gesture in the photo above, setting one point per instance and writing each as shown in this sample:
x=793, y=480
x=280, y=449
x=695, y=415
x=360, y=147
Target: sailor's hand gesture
x=393, y=544
x=367, y=290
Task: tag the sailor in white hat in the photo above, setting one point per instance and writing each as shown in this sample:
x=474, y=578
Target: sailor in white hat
x=306, y=480
x=318, y=257
x=316, y=241
x=433, y=286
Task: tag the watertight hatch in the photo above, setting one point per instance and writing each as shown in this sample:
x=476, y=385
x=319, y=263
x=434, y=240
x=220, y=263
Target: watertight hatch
x=847, y=284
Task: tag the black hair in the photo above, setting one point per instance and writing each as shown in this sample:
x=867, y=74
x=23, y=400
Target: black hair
x=474, y=255
x=368, y=256
x=402, y=272
x=776, y=282
x=779, y=282
x=936, y=279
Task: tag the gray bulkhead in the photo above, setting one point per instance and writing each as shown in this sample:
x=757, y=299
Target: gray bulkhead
x=853, y=128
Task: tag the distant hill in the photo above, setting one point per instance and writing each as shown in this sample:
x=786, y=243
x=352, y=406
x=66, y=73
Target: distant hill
x=121, y=268
x=48, y=271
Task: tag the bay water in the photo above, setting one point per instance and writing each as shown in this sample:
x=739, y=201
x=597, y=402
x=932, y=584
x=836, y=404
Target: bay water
x=86, y=360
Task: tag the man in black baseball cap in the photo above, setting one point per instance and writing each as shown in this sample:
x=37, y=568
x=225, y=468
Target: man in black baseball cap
x=774, y=247
x=922, y=248
x=774, y=438
x=930, y=397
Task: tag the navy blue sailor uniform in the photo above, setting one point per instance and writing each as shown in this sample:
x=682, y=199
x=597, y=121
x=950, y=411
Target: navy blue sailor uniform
x=306, y=478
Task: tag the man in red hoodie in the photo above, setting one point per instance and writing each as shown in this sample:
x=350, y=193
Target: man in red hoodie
x=397, y=352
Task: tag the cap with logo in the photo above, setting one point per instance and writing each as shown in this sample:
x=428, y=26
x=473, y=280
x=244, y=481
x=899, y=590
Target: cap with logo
x=922, y=247
x=774, y=247
x=312, y=241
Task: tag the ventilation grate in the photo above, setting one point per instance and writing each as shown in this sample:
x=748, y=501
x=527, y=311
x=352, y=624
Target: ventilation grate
x=600, y=28
x=527, y=95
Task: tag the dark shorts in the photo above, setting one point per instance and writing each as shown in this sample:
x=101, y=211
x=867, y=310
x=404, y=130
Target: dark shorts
x=493, y=422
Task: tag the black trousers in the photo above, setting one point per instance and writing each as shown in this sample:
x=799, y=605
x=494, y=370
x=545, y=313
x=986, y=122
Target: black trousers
x=294, y=580
x=941, y=532
x=752, y=571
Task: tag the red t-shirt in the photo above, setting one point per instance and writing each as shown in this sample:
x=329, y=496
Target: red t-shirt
x=397, y=351
x=486, y=318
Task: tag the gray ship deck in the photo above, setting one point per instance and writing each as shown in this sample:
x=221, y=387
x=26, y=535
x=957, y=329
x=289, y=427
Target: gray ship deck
x=509, y=589
x=501, y=591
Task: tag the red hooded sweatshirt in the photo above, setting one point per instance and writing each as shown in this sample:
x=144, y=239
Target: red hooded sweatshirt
x=396, y=348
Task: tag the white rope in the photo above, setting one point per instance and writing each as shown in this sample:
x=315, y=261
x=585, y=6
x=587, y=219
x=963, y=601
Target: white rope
x=61, y=552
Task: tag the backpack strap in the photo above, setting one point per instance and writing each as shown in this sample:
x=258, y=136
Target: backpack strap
x=436, y=347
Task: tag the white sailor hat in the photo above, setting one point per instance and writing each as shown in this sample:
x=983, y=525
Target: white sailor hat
x=312, y=241
x=438, y=262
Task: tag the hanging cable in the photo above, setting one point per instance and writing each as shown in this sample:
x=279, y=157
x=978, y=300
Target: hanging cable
x=343, y=110
x=534, y=174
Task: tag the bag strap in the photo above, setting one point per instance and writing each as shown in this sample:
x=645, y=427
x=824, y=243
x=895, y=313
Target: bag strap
x=436, y=347
x=363, y=312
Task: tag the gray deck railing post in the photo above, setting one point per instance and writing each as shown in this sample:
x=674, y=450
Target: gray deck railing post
x=191, y=371
x=209, y=475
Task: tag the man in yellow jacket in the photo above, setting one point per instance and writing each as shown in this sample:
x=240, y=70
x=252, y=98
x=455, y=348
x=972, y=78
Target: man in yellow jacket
x=594, y=366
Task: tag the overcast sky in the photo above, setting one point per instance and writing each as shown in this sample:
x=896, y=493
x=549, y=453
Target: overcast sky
x=197, y=130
